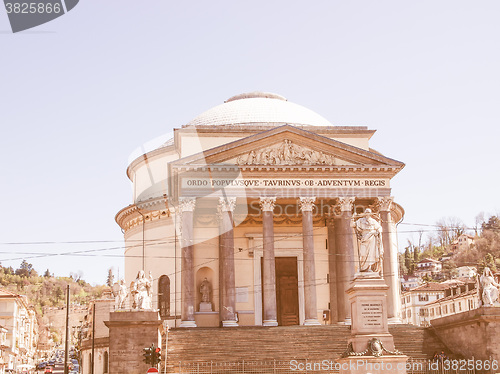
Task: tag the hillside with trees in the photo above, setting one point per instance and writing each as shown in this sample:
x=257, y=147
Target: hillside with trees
x=440, y=243
x=47, y=290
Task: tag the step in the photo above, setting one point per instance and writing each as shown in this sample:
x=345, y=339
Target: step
x=256, y=343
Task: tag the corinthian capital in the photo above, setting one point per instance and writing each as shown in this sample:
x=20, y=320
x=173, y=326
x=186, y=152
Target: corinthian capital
x=267, y=204
x=307, y=203
x=227, y=204
x=385, y=203
x=346, y=203
x=187, y=204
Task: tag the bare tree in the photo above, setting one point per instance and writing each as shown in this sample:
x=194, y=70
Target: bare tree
x=449, y=229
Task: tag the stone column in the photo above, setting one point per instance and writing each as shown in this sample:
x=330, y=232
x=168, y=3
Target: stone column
x=345, y=257
x=226, y=262
x=270, y=317
x=332, y=270
x=311, y=307
x=390, y=260
x=186, y=208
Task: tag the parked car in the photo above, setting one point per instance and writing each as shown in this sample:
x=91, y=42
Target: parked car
x=41, y=365
x=48, y=369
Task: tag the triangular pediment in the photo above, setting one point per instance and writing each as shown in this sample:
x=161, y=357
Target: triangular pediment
x=287, y=152
x=288, y=145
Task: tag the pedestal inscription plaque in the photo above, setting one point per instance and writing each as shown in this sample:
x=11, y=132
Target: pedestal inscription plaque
x=371, y=314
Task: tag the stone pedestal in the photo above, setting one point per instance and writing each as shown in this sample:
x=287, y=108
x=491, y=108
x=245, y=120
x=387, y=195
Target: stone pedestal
x=205, y=307
x=368, y=300
x=371, y=346
x=129, y=333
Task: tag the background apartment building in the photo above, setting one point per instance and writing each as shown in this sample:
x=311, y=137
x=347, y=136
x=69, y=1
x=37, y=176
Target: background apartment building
x=19, y=321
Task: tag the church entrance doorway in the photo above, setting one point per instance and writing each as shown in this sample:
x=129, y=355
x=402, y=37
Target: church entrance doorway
x=287, y=291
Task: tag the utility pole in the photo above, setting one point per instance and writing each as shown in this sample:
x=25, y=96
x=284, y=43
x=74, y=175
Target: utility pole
x=66, y=348
x=93, y=340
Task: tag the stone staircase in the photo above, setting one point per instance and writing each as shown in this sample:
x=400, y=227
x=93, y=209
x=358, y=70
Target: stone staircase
x=255, y=343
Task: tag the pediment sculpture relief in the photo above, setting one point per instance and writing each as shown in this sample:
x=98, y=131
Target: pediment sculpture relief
x=285, y=153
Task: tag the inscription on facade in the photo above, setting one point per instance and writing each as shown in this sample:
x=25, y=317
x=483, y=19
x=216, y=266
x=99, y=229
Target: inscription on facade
x=371, y=314
x=202, y=183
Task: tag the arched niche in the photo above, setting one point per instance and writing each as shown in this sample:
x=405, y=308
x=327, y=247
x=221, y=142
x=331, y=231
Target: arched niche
x=164, y=296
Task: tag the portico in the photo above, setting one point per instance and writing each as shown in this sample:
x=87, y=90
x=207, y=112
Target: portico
x=264, y=212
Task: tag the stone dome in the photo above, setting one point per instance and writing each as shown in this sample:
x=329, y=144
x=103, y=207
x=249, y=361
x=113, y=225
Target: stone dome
x=259, y=108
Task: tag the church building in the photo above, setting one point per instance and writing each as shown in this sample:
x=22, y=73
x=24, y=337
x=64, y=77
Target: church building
x=247, y=216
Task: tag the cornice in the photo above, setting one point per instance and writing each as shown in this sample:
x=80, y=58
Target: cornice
x=150, y=210
x=305, y=168
x=283, y=219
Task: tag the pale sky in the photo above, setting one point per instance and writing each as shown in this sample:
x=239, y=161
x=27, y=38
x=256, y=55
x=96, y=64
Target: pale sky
x=79, y=94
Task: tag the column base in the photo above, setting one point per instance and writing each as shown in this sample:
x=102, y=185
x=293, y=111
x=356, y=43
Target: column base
x=188, y=324
x=229, y=324
x=348, y=321
x=270, y=322
x=312, y=322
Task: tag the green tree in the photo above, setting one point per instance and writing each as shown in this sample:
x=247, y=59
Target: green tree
x=408, y=262
x=487, y=261
x=450, y=269
x=402, y=266
x=111, y=278
x=25, y=269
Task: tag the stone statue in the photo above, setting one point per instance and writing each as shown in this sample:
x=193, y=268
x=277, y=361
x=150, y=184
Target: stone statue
x=205, y=291
x=120, y=293
x=142, y=291
x=489, y=287
x=370, y=249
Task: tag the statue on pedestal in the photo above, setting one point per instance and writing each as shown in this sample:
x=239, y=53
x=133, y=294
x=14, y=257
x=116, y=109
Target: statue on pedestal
x=142, y=291
x=489, y=294
x=370, y=249
x=120, y=293
x=205, y=289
